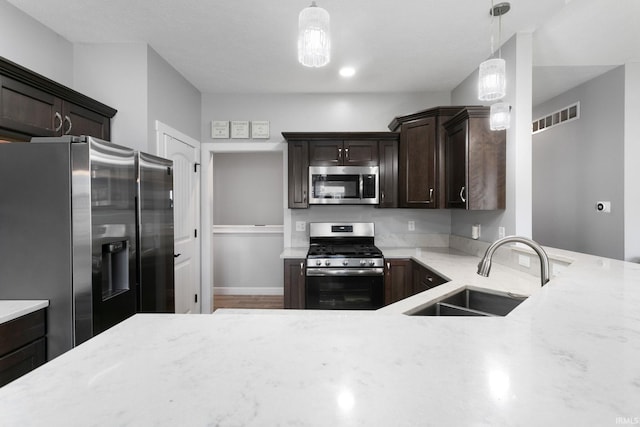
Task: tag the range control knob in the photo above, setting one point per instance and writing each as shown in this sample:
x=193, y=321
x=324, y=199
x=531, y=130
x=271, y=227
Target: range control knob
x=372, y=262
x=345, y=262
x=318, y=262
x=327, y=263
x=363, y=262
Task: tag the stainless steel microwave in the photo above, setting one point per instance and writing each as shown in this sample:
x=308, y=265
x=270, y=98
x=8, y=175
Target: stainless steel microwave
x=347, y=185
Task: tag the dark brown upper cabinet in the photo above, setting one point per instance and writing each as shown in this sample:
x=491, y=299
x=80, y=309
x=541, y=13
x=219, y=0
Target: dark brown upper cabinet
x=475, y=161
x=32, y=105
x=343, y=153
x=421, y=157
x=298, y=172
x=330, y=149
x=388, y=151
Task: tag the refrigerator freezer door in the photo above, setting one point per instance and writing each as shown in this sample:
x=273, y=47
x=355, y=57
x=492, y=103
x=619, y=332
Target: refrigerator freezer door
x=155, y=235
x=113, y=248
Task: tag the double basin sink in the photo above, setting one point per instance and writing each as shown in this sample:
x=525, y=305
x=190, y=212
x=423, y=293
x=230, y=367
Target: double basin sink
x=473, y=302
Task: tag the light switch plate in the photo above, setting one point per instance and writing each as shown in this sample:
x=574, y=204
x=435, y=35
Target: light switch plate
x=412, y=226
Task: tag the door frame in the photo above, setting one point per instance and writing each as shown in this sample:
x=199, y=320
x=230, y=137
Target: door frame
x=208, y=150
x=204, y=305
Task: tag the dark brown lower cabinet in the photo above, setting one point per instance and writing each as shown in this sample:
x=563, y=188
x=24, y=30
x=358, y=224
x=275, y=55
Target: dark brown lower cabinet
x=22, y=346
x=397, y=280
x=294, y=282
x=405, y=277
x=424, y=279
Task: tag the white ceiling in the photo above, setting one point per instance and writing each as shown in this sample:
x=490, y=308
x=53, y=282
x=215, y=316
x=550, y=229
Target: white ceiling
x=249, y=46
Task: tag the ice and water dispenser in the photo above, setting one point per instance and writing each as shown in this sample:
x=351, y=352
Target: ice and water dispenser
x=115, y=268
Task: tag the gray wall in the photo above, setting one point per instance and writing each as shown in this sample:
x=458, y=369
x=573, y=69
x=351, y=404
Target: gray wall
x=116, y=74
x=171, y=99
x=247, y=189
x=315, y=112
x=25, y=41
x=579, y=163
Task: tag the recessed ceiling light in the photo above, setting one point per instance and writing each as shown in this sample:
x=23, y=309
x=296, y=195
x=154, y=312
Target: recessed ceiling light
x=347, y=71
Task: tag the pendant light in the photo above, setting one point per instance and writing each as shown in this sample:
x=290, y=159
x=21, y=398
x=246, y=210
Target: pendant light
x=492, y=82
x=499, y=116
x=314, y=41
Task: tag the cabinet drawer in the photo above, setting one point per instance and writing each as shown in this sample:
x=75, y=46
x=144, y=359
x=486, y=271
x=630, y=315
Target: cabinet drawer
x=21, y=361
x=18, y=332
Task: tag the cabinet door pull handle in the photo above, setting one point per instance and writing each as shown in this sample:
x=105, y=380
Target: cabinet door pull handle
x=304, y=196
x=462, y=195
x=59, y=117
x=431, y=195
x=339, y=153
x=346, y=153
x=388, y=266
x=382, y=195
x=68, y=120
x=429, y=279
x=302, y=268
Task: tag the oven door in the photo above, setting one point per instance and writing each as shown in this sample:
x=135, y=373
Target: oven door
x=344, y=288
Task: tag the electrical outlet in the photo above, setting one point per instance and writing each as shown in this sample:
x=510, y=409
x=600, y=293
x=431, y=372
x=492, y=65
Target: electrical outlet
x=524, y=261
x=412, y=226
x=501, y=232
x=301, y=225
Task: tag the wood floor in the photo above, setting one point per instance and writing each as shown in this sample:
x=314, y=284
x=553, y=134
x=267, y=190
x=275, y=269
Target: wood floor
x=248, y=301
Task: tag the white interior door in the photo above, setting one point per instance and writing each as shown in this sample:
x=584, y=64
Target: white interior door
x=186, y=210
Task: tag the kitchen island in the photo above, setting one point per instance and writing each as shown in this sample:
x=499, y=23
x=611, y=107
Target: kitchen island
x=568, y=355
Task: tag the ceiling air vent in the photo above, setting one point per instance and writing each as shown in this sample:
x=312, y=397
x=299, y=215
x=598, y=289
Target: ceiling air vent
x=567, y=114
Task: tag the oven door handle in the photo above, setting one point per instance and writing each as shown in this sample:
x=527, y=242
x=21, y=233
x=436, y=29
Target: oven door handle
x=326, y=272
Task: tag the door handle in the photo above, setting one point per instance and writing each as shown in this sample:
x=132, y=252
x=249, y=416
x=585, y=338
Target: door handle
x=462, y=195
x=68, y=120
x=59, y=117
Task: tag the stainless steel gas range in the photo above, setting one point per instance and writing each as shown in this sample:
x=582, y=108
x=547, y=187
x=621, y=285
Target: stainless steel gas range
x=345, y=270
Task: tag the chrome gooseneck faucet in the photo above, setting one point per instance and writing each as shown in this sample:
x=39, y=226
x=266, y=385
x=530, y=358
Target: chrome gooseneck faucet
x=485, y=264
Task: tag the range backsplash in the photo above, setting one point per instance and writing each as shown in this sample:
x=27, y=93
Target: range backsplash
x=432, y=228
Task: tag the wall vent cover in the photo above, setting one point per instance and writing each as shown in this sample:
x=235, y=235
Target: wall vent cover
x=564, y=115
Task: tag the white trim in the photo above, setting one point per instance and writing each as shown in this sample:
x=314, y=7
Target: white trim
x=248, y=229
x=162, y=129
x=244, y=147
x=254, y=290
x=209, y=149
x=206, y=292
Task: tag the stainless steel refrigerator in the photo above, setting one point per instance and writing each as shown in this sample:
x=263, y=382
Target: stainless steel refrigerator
x=155, y=258
x=68, y=233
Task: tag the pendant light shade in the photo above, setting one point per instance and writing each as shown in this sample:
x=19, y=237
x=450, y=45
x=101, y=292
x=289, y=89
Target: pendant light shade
x=492, y=81
x=314, y=43
x=500, y=116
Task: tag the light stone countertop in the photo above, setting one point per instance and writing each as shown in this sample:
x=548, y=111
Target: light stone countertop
x=568, y=355
x=12, y=309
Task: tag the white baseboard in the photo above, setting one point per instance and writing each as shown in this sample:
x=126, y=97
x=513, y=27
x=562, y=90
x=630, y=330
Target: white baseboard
x=248, y=291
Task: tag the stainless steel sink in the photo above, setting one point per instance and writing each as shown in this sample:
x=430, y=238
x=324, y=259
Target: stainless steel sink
x=472, y=302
